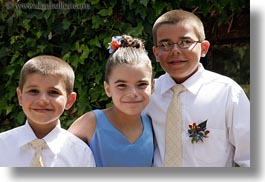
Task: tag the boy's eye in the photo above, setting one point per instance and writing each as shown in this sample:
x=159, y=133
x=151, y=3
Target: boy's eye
x=185, y=43
x=33, y=91
x=182, y=44
x=54, y=92
x=165, y=44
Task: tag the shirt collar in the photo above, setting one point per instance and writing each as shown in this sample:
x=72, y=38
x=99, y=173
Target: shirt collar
x=192, y=84
x=29, y=135
x=52, y=139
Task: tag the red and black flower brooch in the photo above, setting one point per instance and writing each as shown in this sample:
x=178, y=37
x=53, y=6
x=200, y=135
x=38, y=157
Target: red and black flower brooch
x=198, y=132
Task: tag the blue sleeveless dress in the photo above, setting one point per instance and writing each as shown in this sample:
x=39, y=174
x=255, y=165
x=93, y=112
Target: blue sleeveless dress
x=111, y=148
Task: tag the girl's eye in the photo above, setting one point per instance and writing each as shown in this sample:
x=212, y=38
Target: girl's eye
x=121, y=86
x=143, y=85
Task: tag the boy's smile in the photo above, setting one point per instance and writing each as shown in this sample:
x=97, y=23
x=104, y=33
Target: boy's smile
x=179, y=63
x=43, y=99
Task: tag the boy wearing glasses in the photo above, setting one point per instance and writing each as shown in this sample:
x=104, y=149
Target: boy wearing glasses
x=215, y=124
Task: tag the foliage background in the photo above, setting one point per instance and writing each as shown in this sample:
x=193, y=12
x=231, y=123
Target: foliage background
x=81, y=37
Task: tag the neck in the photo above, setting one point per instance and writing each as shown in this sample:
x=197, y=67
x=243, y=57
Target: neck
x=41, y=130
x=117, y=116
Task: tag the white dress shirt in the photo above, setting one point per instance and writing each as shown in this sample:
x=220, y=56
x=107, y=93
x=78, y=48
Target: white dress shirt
x=212, y=97
x=64, y=149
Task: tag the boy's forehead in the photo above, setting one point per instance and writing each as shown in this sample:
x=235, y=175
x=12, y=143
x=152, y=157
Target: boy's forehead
x=38, y=79
x=177, y=30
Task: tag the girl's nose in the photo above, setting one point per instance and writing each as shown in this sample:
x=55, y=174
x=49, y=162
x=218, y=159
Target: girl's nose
x=133, y=92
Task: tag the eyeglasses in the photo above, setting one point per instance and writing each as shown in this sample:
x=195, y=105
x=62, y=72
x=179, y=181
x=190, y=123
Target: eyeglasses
x=182, y=44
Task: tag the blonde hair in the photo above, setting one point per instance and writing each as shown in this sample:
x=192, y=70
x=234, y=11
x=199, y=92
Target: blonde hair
x=131, y=51
x=176, y=16
x=48, y=65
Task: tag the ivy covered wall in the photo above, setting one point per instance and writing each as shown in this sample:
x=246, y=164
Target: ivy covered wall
x=79, y=32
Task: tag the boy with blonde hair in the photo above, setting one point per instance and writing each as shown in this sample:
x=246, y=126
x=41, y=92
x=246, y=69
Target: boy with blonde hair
x=214, y=128
x=45, y=91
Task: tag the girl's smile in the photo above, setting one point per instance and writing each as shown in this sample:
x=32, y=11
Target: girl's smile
x=130, y=88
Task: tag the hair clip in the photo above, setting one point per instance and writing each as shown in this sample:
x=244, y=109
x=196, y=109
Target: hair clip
x=115, y=44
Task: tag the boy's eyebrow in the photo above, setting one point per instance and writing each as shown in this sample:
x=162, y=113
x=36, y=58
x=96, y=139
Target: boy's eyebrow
x=36, y=86
x=31, y=86
x=165, y=40
x=118, y=81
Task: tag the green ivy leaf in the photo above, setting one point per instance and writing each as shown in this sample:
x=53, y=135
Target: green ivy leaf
x=66, y=24
x=93, y=2
x=81, y=38
x=137, y=31
x=74, y=60
x=144, y=2
x=96, y=22
x=105, y=12
x=26, y=24
x=47, y=14
x=84, y=55
x=21, y=117
x=94, y=42
x=39, y=34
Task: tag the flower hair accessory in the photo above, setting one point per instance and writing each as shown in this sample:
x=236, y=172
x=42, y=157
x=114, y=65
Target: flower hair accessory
x=198, y=132
x=115, y=44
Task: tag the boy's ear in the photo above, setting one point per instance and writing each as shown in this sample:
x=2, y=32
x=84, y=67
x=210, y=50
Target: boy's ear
x=153, y=85
x=107, y=89
x=155, y=53
x=205, y=47
x=70, y=100
x=19, y=96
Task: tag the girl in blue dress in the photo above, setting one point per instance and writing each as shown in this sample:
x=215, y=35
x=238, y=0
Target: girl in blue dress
x=121, y=136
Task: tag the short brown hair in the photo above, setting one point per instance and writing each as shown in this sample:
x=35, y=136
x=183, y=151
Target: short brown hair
x=48, y=65
x=176, y=16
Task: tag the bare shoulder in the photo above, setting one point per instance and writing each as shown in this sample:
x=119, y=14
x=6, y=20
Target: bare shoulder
x=84, y=126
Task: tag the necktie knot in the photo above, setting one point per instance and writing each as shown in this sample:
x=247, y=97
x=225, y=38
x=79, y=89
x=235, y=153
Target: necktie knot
x=178, y=89
x=38, y=144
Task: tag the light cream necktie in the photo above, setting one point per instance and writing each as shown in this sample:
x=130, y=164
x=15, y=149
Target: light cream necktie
x=38, y=145
x=173, y=153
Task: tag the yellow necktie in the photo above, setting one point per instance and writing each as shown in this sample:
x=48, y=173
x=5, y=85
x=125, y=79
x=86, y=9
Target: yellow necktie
x=173, y=153
x=38, y=145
